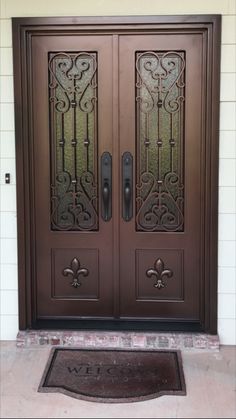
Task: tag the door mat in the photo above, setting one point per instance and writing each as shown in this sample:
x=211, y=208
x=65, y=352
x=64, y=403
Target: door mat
x=113, y=376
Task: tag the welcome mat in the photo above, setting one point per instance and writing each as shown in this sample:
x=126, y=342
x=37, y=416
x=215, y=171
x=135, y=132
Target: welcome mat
x=113, y=376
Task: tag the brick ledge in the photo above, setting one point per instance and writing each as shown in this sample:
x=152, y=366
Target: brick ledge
x=107, y=339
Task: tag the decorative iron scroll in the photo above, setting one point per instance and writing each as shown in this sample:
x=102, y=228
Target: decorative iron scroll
x=160, y=141
x=73, y=125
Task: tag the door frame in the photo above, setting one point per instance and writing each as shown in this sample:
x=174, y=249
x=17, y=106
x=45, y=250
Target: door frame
x=209, y=26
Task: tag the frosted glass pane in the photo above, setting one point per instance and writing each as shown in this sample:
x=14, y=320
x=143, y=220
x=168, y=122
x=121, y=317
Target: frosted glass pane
x=159, y=140
x=73, y=125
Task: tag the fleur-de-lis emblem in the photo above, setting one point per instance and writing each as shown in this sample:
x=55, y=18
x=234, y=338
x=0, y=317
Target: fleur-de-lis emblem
x=75, y=271
x=159, y=272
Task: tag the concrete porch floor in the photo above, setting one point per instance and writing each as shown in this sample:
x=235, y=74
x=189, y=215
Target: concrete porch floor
x=210, y=380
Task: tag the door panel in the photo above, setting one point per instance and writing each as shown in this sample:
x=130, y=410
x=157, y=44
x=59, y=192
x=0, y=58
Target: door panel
x=72, y=129
x=160, y=124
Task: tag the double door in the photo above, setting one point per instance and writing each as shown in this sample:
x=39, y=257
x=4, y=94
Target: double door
x=116, y=157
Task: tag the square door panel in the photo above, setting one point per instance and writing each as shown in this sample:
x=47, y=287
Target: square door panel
x=159, y=274
x=75, y=274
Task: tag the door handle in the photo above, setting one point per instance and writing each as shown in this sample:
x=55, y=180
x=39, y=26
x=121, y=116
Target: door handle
x=127, y=184
x=127, y=200
x=106, y=186
x=105, y=196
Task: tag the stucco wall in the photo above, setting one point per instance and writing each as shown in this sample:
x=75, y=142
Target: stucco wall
x=227, y=175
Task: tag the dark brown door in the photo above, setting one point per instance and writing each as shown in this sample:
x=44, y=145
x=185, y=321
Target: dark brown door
x=160, y=124
x=72, y=118
x=117, y=171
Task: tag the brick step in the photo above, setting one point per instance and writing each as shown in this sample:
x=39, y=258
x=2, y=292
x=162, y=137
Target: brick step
x=125, y=340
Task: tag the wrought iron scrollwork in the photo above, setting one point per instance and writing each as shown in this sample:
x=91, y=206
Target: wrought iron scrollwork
x=160, y=272
x=67, y=71
x=160, y=151
x=75, y=271
x=73, y=99
x=158, y=68
x=74, y=209
x=158, y=206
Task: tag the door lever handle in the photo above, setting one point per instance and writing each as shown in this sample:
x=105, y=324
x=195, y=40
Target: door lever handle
x=127, y=183
x=106, y=196
x=106, y=186
x=127, y=199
